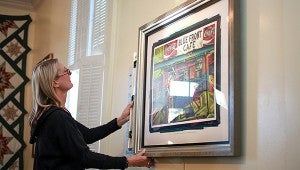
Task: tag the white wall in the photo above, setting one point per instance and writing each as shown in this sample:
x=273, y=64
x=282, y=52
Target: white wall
x=270, y=58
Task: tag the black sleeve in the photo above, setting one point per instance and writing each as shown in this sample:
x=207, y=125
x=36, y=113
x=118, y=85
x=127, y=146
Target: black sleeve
x=92, y=135
x=74, y=147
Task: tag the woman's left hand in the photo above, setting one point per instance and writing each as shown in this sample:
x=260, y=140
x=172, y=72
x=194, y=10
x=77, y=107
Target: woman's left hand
x=125, y=115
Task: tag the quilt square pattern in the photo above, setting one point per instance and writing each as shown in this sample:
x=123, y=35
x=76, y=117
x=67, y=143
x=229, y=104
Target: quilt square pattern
x=13, y=52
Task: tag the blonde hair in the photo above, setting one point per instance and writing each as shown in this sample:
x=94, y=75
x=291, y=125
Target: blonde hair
x=43, y=92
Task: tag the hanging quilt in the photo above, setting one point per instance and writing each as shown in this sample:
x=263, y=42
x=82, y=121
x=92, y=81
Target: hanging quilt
x=13, y=52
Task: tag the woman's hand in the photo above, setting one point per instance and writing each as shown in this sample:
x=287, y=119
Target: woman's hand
x=139, y=160
x=125, y=115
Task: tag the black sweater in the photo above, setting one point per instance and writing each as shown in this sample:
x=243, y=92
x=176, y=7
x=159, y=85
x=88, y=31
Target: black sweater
x=61, y=143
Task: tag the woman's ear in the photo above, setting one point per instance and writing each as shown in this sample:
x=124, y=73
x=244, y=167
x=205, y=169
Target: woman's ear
x=55, y=83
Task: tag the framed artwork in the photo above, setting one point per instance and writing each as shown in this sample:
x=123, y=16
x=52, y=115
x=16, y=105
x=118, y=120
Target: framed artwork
x=187, y=79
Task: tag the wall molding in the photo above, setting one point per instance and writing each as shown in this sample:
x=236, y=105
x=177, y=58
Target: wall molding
x=20, y=4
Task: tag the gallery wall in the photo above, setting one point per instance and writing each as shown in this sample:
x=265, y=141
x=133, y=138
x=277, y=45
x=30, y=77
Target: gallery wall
x=269, y=53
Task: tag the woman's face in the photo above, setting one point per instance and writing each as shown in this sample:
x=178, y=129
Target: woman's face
x=63, y=78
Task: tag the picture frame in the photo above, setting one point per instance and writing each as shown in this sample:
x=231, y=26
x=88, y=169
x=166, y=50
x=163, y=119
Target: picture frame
x=187, y=99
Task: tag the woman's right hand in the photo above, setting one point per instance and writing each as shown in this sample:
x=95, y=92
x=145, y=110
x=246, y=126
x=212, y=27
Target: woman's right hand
x=125, y=115
x=140, y=160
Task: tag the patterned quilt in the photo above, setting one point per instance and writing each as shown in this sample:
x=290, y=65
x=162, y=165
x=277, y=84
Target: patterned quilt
x=13, y=52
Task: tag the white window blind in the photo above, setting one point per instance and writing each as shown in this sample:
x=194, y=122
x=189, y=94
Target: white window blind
x=87, y=29
x=99, y=23
x=90, y=92
x=86, y=46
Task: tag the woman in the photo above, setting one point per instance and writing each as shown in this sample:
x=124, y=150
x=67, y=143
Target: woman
x=61, y=141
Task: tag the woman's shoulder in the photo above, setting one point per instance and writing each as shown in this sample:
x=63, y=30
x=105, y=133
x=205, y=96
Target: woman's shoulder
x=57, y=113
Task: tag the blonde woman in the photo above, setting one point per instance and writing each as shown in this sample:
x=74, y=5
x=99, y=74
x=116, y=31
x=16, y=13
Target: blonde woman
x=61, y=141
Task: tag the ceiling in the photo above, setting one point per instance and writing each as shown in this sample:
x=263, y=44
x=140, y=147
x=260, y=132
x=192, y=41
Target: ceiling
x=21, y=4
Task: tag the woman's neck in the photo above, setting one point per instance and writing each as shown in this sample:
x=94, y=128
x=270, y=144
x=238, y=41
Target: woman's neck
x=62, y=96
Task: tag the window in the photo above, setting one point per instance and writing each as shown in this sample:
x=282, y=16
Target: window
x=86, y=60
